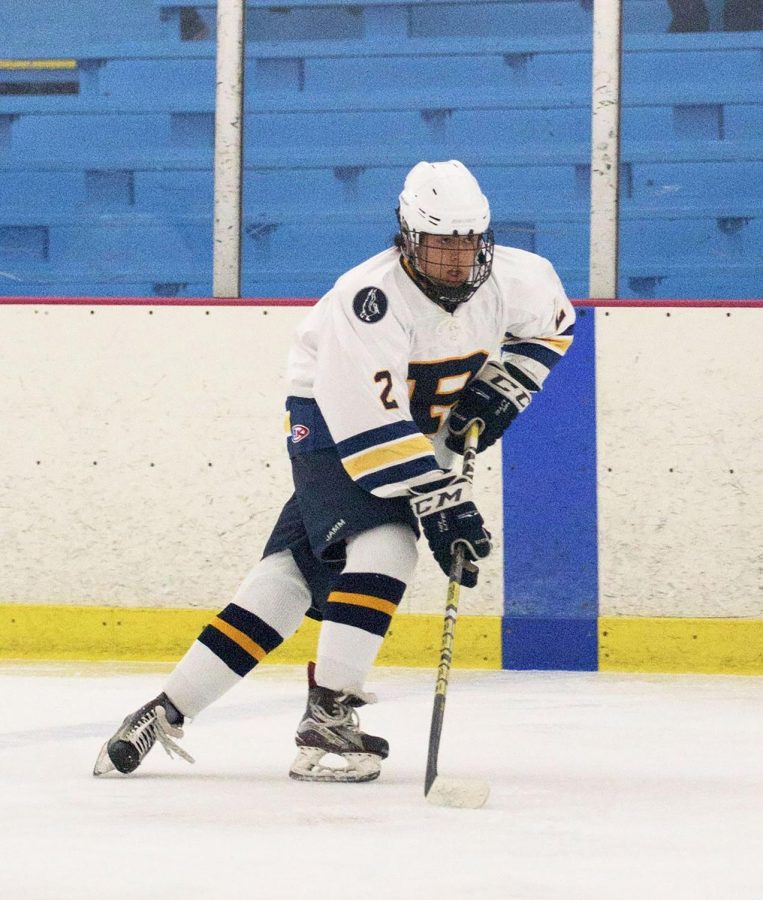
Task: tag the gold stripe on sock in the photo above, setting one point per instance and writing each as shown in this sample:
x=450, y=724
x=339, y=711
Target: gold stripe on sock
x=385, y=606
x=246, y=643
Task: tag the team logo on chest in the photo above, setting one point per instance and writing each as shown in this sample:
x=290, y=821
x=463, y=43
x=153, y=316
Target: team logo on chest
x=370, y=304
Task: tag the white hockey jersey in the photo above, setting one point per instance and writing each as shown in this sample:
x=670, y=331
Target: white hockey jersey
x=385, y=364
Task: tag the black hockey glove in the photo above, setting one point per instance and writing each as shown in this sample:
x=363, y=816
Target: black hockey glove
x=493, y=399
x=448, y=518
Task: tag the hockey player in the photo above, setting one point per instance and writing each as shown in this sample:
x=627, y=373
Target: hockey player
x=386, y=374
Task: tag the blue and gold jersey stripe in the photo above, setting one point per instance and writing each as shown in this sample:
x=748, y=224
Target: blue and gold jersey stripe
x=389, y=454
x=382, y=458
x=558, y=342
x=540, y=353
x=546, y=351
x=375, y=436
x=533, y=358
x=412, y=472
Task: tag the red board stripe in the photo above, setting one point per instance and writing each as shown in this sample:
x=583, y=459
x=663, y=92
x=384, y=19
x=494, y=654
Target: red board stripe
x=157, y=301
x=310, y=301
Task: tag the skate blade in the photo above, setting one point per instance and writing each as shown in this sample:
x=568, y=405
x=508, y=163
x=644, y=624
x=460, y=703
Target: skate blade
x=103, y=764
x=461, y=793
x=359, y=767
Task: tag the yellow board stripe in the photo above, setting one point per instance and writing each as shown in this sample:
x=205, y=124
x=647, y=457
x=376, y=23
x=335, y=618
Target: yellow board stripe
x=38, y=63
x=666, y=644
x=385, y=606
x=245, y=642
x=150, y=634
x=387, y=454
x=626, y=644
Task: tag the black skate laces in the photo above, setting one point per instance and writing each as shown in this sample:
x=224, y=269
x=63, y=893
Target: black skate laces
x=153, y=726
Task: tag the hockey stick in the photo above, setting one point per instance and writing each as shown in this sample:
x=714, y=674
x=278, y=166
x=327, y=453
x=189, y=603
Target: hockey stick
x=465, y=793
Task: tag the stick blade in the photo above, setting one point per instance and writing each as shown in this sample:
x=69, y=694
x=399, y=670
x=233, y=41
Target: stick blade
x=460, y=793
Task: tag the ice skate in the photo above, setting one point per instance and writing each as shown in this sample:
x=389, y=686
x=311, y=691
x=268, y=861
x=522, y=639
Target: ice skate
x=159, y=721
x=330, y=726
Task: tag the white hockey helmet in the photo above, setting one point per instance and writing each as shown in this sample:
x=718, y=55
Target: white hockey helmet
x=445, y=198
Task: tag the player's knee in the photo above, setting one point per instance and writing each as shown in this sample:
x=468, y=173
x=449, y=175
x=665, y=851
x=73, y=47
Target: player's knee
x=387, y=549
x=274, y=584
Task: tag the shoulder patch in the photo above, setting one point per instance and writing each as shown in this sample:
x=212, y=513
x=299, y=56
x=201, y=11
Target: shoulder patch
x=370, y=304
x=299, y=433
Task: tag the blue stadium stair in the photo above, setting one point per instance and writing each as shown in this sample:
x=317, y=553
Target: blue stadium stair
x=106, y=166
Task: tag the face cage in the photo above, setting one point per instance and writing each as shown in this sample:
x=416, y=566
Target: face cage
x=447, y=295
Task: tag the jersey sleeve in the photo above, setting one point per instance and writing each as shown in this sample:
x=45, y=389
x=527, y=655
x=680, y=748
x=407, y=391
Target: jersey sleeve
x=361, y=389
x=531, y=348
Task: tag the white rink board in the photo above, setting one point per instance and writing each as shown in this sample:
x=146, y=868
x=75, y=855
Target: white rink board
x=680, y=462
x=111, y=417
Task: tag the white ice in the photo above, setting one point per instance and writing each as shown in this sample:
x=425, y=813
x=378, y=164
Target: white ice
x=602, y=786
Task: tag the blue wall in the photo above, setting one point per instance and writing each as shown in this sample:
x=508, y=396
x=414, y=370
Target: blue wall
x=551, y=585
x=106, y=167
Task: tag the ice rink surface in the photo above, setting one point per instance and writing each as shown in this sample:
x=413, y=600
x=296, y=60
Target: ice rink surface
x=602, y=786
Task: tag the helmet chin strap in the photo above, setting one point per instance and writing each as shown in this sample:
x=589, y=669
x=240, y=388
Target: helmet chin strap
x=437, y=293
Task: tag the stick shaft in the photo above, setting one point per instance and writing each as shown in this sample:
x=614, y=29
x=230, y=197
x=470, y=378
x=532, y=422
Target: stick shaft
x=448, y=630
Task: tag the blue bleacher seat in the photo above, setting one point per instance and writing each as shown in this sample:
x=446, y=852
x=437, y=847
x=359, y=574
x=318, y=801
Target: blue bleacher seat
x=192, y=129
x=6, y=123
x=35, y=136
x=329, y=249
x=476, y=18
x=724, y=240
x=343, y=19
x=527, y=186
x=31, y=22
x=679, y=184
x=25, y=245
x=341, y=98
x=732, y=282
x=109, y=189
x=304, y=23
x=40, y=190
x=176, y=193
x=542, y=128
x=698, y=122
x=743, y=121
x=516, y=233
x=645, y=16
x=522, y=72
x=71, y=284
x=660, y=70
x=279, y=75
x=565, y=243
x=163, y=79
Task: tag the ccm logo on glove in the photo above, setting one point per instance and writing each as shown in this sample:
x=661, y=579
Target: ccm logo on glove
x=449, y=518
x=512, y=390
x=493, y=400
x=445, y=498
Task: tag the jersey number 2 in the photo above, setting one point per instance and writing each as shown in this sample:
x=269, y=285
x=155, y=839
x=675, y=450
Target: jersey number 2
x=385, y=378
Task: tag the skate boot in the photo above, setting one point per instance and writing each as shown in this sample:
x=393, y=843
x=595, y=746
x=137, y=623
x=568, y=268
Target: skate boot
x=330, y=726
x=159, y=721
